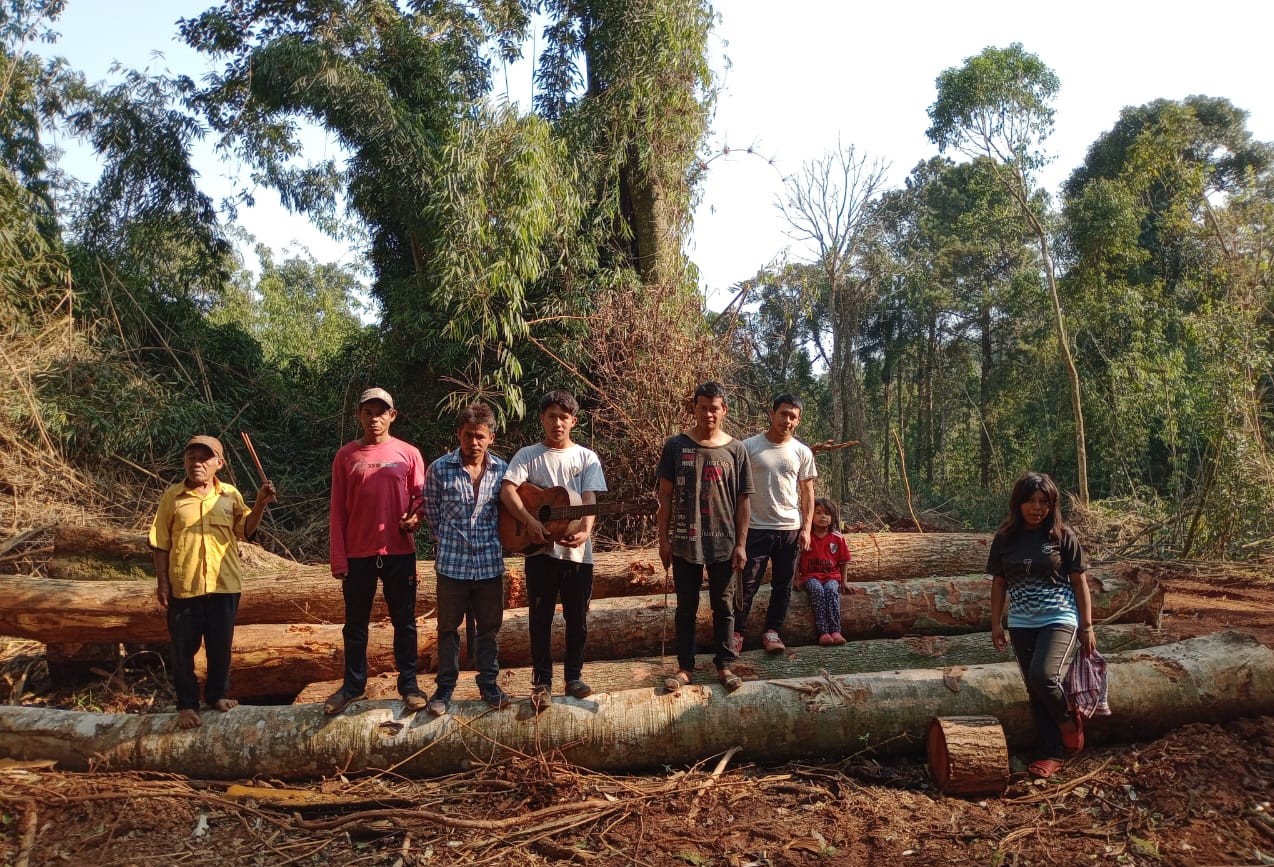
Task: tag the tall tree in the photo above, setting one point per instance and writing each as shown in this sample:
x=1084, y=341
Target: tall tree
x=998, y=105
x=829, y=209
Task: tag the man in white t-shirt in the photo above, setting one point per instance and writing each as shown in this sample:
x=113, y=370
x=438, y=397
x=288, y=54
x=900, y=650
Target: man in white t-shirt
x=783, y=473
x=562, y=567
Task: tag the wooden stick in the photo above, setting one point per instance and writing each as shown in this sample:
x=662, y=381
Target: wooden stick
x=256, y=461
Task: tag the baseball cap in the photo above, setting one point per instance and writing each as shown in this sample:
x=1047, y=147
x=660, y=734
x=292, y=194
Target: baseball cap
x=209, y=442
x=376, y=394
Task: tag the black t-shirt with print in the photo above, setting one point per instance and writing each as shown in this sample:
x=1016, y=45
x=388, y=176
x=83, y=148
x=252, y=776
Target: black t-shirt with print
x=1034, y=554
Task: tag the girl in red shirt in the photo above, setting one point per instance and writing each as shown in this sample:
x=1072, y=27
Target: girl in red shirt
x=822, y=571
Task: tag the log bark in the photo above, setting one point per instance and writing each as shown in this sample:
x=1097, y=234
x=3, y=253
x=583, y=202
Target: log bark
x=272, y=660
x=968, y=755
x=94, y=553
x=1210, y=679
x=884, y=654
x=60, y=611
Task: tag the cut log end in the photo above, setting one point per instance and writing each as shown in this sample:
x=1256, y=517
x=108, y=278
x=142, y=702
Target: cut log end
x=968, y=755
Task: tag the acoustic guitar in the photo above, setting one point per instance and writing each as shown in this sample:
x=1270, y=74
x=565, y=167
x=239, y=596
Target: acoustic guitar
x=561, y=512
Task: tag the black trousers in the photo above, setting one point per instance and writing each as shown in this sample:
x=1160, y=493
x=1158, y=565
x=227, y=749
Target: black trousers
x=484, y=600
x=207, y=620
x=1044, y=655
x=547, y=580
x=687, y=578
x=397, y=573
x=781, y=549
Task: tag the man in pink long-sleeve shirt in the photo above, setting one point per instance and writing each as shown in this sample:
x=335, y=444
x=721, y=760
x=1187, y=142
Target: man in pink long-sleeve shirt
x=377, y=496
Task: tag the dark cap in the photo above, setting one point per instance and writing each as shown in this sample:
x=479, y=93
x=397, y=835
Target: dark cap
x=376, y=394
x=210, y=442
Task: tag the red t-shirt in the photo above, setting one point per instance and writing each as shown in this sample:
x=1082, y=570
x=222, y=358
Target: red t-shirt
x=823, y=559
x=372, y=488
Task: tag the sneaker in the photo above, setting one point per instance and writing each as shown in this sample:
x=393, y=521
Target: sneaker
x=496, y=698
x=541, y=698
x=772, y=643
x=826, y=639
x=837, y=638
x=578, y=689
x=413, y=702
x=736, y=643
x=439, y=704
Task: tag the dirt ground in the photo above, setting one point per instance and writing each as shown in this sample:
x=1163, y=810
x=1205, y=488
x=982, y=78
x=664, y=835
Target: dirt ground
x=1200, y=795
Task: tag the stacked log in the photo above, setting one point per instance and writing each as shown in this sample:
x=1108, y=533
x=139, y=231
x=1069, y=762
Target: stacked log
x=649, y=672
x=281, y=659
x=1208, y=679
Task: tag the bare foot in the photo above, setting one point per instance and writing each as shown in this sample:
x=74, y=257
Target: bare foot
x=188, y=719
x=225, y=704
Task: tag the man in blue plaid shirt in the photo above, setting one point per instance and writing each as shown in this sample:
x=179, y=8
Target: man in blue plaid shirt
x=461, y=493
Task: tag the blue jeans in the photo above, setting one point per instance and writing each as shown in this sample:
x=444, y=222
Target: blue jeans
x=484, y=600
x=781, y=549
x=397, y=572
x=209, y=620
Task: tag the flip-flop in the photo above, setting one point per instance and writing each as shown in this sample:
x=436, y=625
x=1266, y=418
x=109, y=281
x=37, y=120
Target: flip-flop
x=674, y=683
x=338, y=701
x=729, y=679
x=1045, y=768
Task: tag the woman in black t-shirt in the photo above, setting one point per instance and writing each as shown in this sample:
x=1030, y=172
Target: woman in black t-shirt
x=1037, y=564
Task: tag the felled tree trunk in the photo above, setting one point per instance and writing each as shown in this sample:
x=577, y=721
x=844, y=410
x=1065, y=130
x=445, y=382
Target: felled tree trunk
x=883, y=654
x=59, y=611
x=93, y=553
x=1209, y=679
x=281, y=660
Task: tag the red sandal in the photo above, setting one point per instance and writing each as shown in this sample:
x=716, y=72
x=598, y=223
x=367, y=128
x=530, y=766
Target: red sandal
x=1045, y=768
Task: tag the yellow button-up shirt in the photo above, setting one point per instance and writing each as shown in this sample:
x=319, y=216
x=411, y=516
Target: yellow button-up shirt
x=201, y=537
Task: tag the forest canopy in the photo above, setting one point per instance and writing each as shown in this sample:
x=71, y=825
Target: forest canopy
x=962, y=326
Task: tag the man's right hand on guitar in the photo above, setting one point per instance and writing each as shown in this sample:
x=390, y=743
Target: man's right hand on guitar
x=537, y=532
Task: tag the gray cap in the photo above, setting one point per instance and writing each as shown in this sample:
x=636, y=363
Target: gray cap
x=376, y=394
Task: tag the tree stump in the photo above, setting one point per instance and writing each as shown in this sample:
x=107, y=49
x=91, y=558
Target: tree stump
x=968, y=755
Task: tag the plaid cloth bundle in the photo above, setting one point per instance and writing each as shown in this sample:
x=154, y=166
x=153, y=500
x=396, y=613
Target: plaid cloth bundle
x=1085, y=685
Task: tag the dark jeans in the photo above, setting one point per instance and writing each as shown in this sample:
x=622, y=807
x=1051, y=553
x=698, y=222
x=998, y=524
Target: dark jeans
x=782, y=548
x=397, y=573
x=687, y=578
x=1044, y=655
x=547, y=578
x=208, y=620
x=484, y=602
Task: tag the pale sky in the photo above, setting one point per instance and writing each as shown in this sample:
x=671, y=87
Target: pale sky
x=803, y=74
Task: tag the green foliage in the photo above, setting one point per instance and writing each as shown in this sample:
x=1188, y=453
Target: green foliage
x=299, y=311
x=998, y=104
x=509, y=204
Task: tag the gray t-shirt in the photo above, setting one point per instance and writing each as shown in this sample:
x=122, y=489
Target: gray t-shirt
x=706, y=484
x=576, y=467
x=777, y=470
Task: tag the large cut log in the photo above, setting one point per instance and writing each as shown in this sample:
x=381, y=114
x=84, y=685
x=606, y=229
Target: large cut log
x=59, y=611
x=280, y=660
x=94, y=553
x=1209, y=679
x=882, y=654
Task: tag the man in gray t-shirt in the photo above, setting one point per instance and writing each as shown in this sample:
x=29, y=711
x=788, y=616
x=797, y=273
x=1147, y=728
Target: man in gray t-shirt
x=562, y=567
x=705, y=483
x=782, y=514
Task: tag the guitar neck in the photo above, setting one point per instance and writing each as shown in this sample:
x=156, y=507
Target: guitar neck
x=572, y=513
